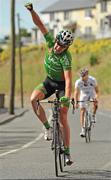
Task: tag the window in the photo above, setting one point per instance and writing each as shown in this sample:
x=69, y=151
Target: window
x=103, y=6
x=88, y=13
x=105, y=24
x=109, y=19
x=102, y=24
x=66, y=15
x=51, y=16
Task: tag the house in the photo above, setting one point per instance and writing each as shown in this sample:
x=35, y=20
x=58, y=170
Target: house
x=103, y=19
x=93, y=17
x=69, y=12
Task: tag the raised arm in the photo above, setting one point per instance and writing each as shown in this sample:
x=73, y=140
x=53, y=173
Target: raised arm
x=36, y=19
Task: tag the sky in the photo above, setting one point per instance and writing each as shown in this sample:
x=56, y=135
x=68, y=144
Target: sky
x=26, y=21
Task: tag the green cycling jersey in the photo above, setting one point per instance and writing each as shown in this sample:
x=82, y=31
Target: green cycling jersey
x=55, y=64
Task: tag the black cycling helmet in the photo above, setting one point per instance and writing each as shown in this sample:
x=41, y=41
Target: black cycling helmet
x=65, y=37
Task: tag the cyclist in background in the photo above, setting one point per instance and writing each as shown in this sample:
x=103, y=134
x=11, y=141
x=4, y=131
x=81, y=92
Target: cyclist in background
x=86, y=87
x=58, y=68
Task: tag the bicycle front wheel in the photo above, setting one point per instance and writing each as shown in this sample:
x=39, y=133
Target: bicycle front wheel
x=61, y=152
x=89, y=127
x=56, y=146
x=86, y=127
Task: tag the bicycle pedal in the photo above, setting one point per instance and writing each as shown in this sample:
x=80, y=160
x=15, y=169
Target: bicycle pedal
x=52, y=148
x=83, y=135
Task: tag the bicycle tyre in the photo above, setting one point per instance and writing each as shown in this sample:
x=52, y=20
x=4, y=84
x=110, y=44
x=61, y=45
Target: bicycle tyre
x=86, y=126
x=55, y=140
x=89, y=127
x=89, y=135
x=61, y=152
x=61, y=161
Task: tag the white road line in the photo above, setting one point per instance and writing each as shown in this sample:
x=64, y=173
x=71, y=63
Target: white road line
x=30, y=143
x=24, y=146
x=106, y=165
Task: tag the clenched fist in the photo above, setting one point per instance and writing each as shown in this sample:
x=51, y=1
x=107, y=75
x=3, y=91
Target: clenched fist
x=29, y=6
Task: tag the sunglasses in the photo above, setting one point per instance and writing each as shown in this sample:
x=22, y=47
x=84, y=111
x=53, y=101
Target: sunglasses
x=84, y=75
x=61, y=45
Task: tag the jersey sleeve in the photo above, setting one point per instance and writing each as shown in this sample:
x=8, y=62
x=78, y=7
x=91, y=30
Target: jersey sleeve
x=49, y=39
x=95, y=82
x=66, y=61
x=77, y=84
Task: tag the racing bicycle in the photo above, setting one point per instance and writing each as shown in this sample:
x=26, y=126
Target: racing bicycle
x=57, y=144
x=88, y=119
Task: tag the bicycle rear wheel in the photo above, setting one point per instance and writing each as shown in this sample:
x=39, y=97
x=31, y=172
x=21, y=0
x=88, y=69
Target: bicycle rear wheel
x=61, y=161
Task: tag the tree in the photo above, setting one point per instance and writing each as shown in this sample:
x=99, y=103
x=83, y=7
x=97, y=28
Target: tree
x=12, y=83
x=25, y=33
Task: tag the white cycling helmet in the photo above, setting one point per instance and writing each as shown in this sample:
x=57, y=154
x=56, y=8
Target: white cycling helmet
x=83, y=72
x=65, y=37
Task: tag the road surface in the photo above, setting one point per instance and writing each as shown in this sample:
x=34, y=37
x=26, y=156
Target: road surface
x=24, y=154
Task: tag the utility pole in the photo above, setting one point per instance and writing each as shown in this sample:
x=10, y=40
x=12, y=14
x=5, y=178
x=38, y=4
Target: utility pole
x=12, y=81
x=20, y=61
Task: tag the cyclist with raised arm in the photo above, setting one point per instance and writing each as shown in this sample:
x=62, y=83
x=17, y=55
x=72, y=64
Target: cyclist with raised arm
x=58, y=68
x=86, y=88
